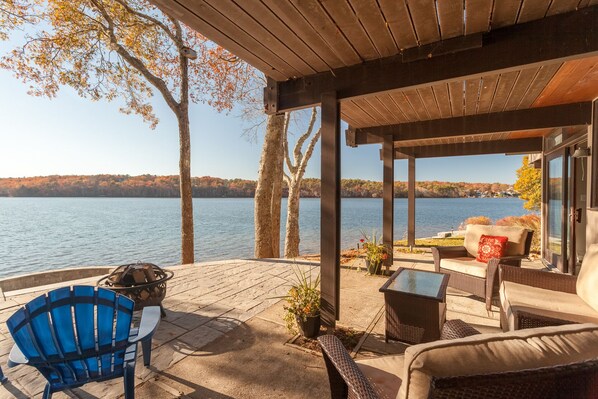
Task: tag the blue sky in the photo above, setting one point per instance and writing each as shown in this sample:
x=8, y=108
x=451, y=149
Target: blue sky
x=72, y=135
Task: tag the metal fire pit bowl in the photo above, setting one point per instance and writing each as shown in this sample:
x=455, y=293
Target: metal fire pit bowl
x=146, y=293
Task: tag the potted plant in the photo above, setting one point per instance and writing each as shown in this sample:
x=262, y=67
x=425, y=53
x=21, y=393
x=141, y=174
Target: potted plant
x=303, y=305
x=375, y=253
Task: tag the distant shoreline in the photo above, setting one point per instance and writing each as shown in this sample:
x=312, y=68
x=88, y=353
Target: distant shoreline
x=284, y=197
x=149, y=186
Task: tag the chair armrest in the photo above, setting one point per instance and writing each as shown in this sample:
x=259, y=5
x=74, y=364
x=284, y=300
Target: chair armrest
x=447, y=252
x=450, y=252
x=457, y=328
x=150, y=318
x=16, y=357
x=340, y=365
x=539, y=279
x=513, y=260
x=492, y=274
x=513, y=257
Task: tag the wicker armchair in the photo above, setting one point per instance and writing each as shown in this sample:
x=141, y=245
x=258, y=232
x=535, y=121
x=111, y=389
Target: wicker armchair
x=534, y=298
x=348, y=381
x=550, y=362
x=472, y=276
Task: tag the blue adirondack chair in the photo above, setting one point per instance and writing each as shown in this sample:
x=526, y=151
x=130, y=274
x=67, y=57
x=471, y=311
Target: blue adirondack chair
x=75, y=335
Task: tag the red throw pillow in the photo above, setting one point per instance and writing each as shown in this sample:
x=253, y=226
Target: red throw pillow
x=491, y=247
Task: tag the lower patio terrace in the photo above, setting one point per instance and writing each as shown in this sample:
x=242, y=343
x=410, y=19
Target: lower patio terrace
x=223, y=335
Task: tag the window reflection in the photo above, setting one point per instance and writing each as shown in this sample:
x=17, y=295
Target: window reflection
x=555, y=202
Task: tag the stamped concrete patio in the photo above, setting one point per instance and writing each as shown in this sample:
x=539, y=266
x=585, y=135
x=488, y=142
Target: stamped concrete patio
x=223, y=335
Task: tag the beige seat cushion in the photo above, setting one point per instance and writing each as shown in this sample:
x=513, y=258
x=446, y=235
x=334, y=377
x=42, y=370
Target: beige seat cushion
x=554, y=304
x=516, y=236
x=465, y=265
x=495, y=353
x=587, y=281
x=384, y=373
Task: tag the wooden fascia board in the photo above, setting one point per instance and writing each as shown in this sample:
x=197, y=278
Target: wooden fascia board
x=528, y=145
x=508, y=121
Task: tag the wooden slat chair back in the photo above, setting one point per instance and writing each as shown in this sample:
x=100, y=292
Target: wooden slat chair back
x=75, y=335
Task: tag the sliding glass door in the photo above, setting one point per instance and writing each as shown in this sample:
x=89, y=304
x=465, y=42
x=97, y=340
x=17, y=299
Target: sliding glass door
x=556, y=236
x=565, y=208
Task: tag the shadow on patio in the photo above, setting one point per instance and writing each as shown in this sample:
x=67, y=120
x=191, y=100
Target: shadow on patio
x=223, y=335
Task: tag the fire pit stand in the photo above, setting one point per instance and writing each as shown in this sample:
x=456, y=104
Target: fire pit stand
x=144, y=283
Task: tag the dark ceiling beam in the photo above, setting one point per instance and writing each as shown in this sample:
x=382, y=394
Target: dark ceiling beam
x=526, y=119
x=529, y=145
x=552, y=39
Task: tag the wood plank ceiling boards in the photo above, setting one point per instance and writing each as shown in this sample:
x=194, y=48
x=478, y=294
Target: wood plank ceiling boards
x=398, y=61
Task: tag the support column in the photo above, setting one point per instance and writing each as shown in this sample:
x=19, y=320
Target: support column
x=330, y=210
x=411, y=202
x=593, y=165
x=388, y=195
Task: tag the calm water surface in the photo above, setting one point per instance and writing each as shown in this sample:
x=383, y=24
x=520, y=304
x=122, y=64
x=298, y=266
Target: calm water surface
x=49, y=233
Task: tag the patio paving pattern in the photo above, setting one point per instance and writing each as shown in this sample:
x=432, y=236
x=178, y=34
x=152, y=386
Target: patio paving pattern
x=223, y=335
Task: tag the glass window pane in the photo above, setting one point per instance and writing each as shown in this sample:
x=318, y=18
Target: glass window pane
x=555, y=204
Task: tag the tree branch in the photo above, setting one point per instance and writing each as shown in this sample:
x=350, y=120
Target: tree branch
x=285, y=143
x=299, y=145
x=136, y=62
x=177, y=27
x=308, y=154
x=148, y=18
x=286, y=178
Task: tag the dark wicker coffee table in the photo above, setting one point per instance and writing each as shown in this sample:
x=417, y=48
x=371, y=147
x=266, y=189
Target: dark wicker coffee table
x=415, y=303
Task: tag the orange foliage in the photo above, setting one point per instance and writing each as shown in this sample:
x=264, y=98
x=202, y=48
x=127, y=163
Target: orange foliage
x=483, y=220
x=530, y=221
x=168, y=186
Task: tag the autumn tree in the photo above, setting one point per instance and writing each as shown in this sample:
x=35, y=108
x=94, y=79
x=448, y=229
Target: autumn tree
x=128, y=49
x=13, y=14
x=529, y=185
x=296, y=170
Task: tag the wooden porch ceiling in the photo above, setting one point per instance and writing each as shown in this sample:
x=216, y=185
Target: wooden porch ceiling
x=570, y=82
x=313, y=46
x=295, y=38
x=559, y=83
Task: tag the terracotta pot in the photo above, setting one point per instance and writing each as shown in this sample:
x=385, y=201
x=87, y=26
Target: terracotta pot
x=309, y=328
x=373, y=267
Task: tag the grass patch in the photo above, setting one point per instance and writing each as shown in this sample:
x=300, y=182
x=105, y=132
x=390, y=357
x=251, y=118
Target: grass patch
x=434, y=242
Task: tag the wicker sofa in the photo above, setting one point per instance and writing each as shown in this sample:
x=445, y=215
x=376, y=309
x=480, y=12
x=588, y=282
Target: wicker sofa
x=547, y=362
x=481, y=279
x=534, y=298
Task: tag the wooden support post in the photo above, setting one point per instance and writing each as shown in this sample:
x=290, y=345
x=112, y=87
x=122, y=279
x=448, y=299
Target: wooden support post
x=388, y=196
x=330, y=208
x=411, y=203
x=593, y=160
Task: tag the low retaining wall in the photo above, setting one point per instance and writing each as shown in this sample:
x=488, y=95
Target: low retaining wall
x=51, y=277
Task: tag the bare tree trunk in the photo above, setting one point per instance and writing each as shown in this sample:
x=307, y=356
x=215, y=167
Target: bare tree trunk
x=296, y=168
x=265, y=184
x=291, y=239
x=186, y=188
x=187, y=234
x=276, y=201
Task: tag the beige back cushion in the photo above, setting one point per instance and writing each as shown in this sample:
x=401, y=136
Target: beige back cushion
x=494, y=353
x=587, y=281
x=516, y=236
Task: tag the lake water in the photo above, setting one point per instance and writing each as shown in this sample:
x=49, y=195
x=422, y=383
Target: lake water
x=49, y=233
